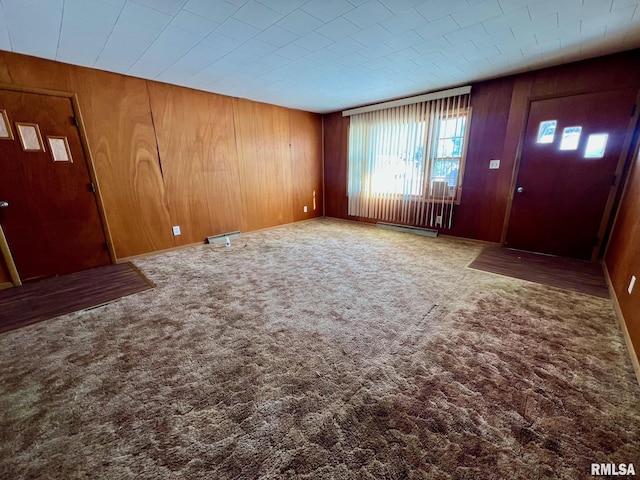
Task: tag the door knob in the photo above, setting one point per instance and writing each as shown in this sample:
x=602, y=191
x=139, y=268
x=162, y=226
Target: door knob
x=520, y=189
x=3, y=204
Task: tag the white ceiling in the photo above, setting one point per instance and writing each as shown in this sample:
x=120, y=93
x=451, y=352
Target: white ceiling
x=318, y=55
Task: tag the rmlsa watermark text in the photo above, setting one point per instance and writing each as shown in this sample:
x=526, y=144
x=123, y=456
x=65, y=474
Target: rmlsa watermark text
x=602, y=469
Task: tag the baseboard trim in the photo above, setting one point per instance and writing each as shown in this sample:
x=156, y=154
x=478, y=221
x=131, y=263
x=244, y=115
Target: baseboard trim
x=4, y=285
x=204, y=242
x=623, y=325
x=396, y=227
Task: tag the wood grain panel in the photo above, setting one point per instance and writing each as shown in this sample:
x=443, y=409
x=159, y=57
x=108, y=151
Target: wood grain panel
x=623, y=254
x=305, y=130
x=122, y=140
x=262, y=139
x=26, y=71
x=616, y=71
x=484, y=192
x=336, y=151
x=195, y=133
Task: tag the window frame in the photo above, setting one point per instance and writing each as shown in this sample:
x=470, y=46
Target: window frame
x=425, y=197
x=457, y=196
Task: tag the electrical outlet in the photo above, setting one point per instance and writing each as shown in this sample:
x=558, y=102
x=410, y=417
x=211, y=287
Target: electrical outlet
x=439, y=220
x=176, y=230
x=632, y=284
x=304, y=209
x=494, y=164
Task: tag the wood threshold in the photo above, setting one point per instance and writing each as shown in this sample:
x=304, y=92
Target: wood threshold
x=565, y=273
x=40, y=300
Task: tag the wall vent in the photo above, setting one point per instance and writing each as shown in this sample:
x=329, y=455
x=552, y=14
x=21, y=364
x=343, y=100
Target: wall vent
x=222, y=238
x=425, y=232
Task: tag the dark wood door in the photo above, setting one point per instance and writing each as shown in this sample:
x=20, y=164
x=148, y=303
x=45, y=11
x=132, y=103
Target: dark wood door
x=571, y=150
x=52, y=223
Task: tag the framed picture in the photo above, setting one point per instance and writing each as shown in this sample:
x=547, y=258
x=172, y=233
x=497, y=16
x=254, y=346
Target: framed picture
x=30, y=137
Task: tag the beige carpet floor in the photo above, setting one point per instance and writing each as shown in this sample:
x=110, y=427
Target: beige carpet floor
x=321, y=350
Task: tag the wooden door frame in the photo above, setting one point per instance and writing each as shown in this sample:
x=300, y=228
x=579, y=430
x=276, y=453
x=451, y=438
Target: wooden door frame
x=4, y=247
x=613, y=192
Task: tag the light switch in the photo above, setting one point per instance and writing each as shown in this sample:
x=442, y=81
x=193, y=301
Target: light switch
x=494, y=164
x=176, y=230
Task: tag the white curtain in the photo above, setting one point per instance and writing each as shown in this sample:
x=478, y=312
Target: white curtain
x=405, y=161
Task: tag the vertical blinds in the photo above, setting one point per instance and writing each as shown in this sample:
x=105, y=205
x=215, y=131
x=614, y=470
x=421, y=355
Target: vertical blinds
x=405, y=161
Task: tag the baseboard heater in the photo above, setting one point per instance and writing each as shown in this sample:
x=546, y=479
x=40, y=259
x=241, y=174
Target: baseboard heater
x=425, y=232
x=222, y=238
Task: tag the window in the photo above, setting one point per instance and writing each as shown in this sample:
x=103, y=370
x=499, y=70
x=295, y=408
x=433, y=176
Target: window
x=405, y=157
x=547, y=131
x=570, y=138
x=596, y=145
x=445, y=167
x=400, y=167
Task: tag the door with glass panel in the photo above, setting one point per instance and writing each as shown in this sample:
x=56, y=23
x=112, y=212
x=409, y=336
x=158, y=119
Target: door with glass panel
x=567, y=175
x=48, y=208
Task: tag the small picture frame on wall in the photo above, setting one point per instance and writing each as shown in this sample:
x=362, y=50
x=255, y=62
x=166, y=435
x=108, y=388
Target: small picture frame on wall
x=5, y=127
x=30, y=137
x=59, y=148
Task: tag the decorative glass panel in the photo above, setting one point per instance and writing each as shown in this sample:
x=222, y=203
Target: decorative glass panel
x=30, y=138
x=5, y=127
x=570, y=138
x=596, y=145
x=547, y=131
x=59, y=147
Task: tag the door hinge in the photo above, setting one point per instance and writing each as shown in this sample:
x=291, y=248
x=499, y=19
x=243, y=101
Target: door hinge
x=92, y=187
x=106, y=245
x=75, y=121
x=613, y=182
x=633, y=109
x=596, y=240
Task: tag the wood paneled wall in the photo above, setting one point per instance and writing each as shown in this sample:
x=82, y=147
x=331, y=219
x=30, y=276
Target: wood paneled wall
x=122, y=142
x=263, y=141
x=500, y=109
x=499, y=116
x=306, y=173
x=623, y=254
x=196, y=141
x=166, y=155
x=485, y=192
x=336, y=156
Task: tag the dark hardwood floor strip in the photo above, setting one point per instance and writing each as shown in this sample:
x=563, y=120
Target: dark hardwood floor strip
x=566, y=273
x=44, y=299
